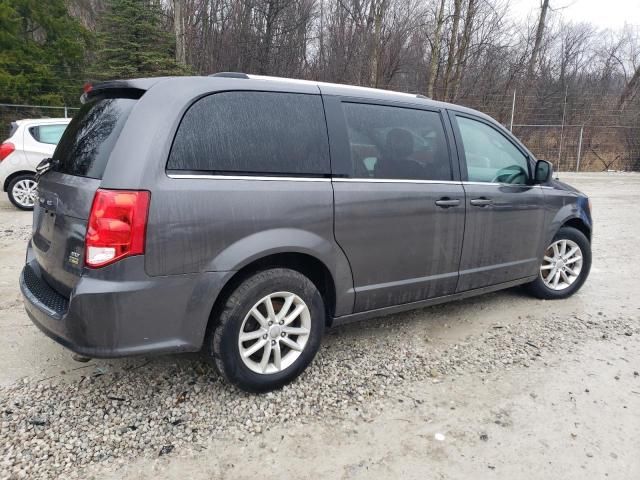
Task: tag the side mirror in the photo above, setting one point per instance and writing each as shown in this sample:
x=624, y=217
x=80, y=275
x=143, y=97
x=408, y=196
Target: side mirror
x=543, y=172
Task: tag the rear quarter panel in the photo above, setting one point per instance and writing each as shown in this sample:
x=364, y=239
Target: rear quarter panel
x=217, y=225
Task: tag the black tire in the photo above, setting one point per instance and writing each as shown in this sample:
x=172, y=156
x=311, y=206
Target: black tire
x=538, y=288
x=12, y=184
x=222, y=342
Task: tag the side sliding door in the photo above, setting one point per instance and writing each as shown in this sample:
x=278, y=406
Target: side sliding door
x=399, y=204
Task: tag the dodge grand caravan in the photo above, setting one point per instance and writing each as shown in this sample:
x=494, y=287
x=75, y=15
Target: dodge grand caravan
x=242, y=215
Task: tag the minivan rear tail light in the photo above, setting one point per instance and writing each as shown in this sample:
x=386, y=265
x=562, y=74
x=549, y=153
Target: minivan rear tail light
x=117, y=226
x=6, y=149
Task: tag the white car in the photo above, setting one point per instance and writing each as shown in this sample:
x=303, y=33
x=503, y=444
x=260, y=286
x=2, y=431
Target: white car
x=29, y=143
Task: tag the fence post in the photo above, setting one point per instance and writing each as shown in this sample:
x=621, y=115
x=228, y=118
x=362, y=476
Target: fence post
x=564, y=111
x=513, y=109
x=579, y=149
x=65, y=112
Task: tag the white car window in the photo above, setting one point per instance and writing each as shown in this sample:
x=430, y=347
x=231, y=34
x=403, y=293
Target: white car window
x=49, y=134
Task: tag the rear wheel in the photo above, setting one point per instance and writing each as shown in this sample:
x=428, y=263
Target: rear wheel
x=565, y=265
x=22, y=191
x=268, y=331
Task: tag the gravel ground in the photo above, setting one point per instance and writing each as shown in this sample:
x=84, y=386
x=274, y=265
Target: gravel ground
x=77, y=420
x=54, y=429
x=17, y=233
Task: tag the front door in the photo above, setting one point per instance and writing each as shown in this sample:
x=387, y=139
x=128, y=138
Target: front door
x=399, y=208
x=505, y=218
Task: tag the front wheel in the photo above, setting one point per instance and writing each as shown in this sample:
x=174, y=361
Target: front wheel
x=565, y=265
x=23, y=191
x=268, y=331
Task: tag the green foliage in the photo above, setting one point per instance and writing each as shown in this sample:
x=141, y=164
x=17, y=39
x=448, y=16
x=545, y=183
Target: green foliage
x=133, y=42
x=42, y=52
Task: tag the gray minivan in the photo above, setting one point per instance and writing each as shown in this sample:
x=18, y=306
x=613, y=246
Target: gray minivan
x=245, y=214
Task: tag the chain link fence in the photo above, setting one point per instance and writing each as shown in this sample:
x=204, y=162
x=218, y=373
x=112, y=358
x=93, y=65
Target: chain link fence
x=11, y=112
x=574, y=132
x=583, y=147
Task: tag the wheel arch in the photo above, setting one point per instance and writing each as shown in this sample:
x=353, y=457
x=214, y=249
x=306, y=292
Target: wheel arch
x=574, y=214
x=580, y=225
x=304, y=263
x=13, y=175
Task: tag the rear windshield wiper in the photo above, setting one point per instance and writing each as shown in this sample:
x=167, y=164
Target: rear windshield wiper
x=44, y=166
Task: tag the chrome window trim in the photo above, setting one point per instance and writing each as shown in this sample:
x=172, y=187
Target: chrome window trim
x=486, y=183
x=394, y=180
x=446, y=182
x=191, y=176
x=499, y=184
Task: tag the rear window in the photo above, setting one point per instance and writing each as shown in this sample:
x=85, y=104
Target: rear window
x=253, y=133
x=87, y=142
x=49, y=134
x=12, y=128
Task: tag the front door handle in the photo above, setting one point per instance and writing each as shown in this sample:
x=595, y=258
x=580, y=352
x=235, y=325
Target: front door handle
x=481, y=202
x=447, y=202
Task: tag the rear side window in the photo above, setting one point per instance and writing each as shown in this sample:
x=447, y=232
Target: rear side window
x=253, y=133
x=87, y=142
x=12, y=128
x=47, y=133
x=396, y=143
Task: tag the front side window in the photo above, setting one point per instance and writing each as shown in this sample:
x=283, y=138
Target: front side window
x=253, y=133
x=490, y=157
x=396, y=143
x=49, y=134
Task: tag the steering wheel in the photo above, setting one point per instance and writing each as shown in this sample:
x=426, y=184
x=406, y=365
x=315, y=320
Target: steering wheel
x=503, y=175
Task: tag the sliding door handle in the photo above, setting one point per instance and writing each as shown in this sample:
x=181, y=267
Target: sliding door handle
x=481, y=202
x=447, y=202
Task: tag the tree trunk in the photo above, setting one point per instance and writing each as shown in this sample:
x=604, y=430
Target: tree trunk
x=435, y=50
x=378, y=8
x=461, y=56
x=321, y=60
x=178, y=23
x=630, y=90
x=267, y=39
x=538, y=41
x=457, y=6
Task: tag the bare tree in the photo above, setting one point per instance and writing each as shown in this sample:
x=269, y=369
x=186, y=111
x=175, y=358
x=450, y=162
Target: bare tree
x=461, y=54
x=630, y=90
x=178, y=22
x=457, y=7
x=467, y=51
x=538, y=39
x=435, y=49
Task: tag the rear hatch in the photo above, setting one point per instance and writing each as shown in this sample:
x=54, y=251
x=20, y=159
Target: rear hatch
x=66, y=191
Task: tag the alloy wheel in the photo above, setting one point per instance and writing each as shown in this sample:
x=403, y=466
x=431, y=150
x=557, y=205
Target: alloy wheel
x=25, y=192
x=561, y=265
x=274, y=333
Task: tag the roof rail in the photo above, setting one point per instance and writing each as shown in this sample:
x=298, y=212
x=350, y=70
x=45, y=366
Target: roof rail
x=230, y=75
x=419, y=95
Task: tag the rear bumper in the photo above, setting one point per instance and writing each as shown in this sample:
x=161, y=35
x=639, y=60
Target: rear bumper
x=108, y=316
